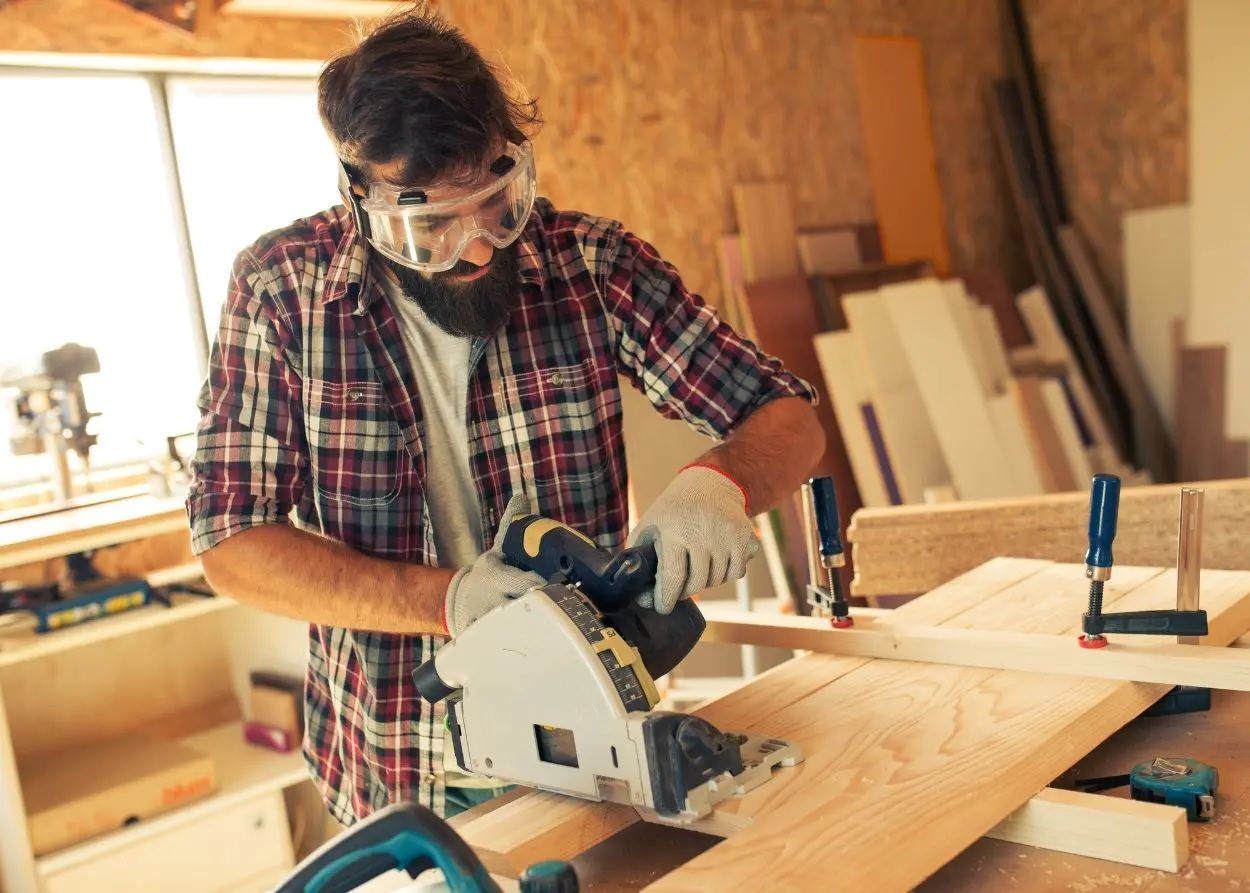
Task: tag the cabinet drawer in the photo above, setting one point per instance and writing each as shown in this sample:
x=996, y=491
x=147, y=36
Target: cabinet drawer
x=221, y=851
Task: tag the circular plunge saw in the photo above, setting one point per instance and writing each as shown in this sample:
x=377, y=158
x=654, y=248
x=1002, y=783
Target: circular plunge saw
x=555, y=689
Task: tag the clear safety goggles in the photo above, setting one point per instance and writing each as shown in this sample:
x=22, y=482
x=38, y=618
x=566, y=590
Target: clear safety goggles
x=404, y=225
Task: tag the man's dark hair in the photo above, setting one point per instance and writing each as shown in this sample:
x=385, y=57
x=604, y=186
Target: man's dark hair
x=415, y=90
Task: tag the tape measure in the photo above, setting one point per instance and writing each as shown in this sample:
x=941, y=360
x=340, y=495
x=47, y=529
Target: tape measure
x=1176, y=781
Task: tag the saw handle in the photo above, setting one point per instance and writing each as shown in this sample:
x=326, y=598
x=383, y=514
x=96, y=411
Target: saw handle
x=554, y=550
x=406, y=837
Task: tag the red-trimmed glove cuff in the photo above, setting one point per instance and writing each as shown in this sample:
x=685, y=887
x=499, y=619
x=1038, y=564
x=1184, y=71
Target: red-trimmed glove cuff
x=727, y=476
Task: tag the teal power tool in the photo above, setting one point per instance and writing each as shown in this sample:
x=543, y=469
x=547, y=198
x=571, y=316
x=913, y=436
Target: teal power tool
x=832, y=555
x=408, y=837
x=1104, y=507
x=1181, y=782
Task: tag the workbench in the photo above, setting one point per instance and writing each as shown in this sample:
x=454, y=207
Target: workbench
x=908, y=764
x=1220, y=850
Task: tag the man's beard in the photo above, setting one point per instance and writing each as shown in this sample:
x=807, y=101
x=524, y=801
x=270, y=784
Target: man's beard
x=474, y=309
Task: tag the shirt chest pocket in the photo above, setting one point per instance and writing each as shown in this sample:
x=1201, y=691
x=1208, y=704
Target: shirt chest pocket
x=357, y=451
x=550, y=423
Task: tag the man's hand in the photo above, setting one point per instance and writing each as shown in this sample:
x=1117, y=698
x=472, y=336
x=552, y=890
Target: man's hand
x=701, y=532
x=488, y=582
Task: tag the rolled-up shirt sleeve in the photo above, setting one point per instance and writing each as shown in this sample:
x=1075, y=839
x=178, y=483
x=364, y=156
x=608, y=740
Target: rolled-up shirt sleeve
x=250, y=455
x=673, y=347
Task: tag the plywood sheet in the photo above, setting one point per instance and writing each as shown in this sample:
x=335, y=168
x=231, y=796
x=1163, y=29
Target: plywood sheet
x=898, y=141
x=1069, y=439
x=912, y=549
x=1157, y=282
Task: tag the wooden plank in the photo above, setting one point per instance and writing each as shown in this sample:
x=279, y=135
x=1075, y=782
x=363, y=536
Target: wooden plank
x=91, y=527
x=1151, y=835
x=1156, y=283
x=1048, y=454
x=1009, y=424
x=346, y=10
x=1219, y=193
x=962, y=311
x=847, y=389
x=898, y=142
x=766, y=226
x=1053, y=348
x=17, y=864
x=1075, y=457
x=1126, y=659
x=831, y=251
x=912, y=549
x=1203, y=449
x=992, y=344
x=1150, y=435
x=906, y=429
x=948, y=385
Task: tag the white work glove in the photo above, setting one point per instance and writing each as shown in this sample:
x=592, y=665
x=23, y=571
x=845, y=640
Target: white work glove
x=702, y=536
x=488, y=582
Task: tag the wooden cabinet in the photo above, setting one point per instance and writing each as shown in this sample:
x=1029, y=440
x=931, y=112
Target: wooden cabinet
x=179, y=673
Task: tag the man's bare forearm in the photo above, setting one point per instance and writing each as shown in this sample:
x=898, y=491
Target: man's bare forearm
x=772, y=452
x=298, y=574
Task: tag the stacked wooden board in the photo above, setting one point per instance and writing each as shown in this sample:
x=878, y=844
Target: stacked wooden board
x=1061, y=262
x=933, y=755
x=928, y=399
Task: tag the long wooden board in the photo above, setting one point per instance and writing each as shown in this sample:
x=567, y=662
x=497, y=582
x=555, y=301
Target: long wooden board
x=907, y=550
x=879, y=735
x=92, y=527
x=898, y=142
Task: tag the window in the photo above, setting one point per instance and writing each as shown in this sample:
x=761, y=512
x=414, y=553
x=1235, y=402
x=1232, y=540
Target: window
x=91, y=254
x=252, y=156
x=120, y=186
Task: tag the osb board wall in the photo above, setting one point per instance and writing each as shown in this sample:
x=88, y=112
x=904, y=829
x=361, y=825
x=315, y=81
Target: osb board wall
x=1115, y=76
x=654, y=109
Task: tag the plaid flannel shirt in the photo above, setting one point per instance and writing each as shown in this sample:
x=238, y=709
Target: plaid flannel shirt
x=311, y=410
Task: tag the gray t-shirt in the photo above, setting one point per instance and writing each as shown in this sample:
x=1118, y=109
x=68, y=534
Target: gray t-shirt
x=440, y=363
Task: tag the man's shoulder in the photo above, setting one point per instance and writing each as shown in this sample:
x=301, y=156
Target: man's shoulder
x=315, y=238
x=569, y=236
